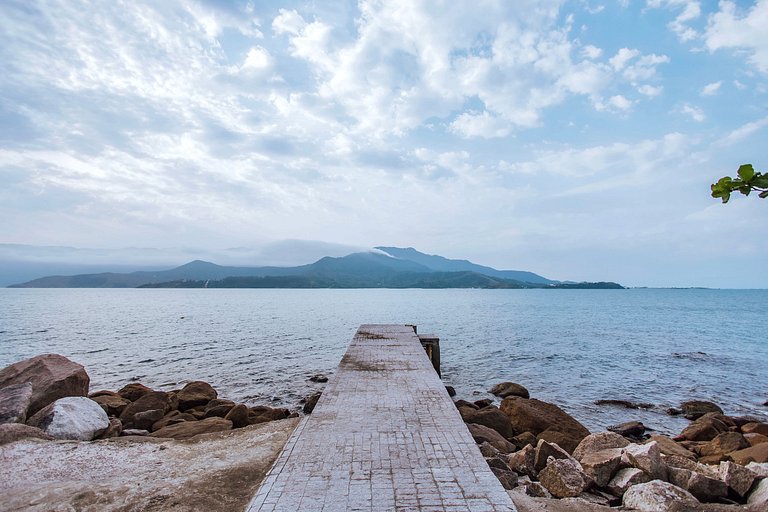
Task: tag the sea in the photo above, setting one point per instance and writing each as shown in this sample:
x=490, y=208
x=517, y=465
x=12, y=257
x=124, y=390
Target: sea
x=569, y=347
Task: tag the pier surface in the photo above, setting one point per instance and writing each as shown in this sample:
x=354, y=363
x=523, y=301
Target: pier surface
x=384, y=435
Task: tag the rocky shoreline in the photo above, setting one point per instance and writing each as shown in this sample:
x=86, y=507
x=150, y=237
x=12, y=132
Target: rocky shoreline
x=544, y=457
x=538, y=451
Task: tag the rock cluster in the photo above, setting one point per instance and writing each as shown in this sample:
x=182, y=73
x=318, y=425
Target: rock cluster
x=539, y=450
x=47, y=397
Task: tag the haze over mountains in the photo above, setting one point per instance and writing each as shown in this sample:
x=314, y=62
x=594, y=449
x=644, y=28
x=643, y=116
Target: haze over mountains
x=388, y=267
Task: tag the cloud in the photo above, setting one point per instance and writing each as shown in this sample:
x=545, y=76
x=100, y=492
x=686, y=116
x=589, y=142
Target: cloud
x=622, y=57
x=480, y=125
x=689, y=10
x=696, y=113
x=730, y=28
x=711, y=89
x=744, y=131
x=650, y=90
x=591, y=52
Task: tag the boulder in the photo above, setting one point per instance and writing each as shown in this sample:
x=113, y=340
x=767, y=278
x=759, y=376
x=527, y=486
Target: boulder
x=310, y=402
x=705, y=428
x=703, y=487
x=694, y=409
x=74, y=417
x=564, y=478
x=601, y=466
x=669, y=447
x=531, y=488
x=564, y=441
x=758, y=468
x=545, y=451
x=505, y=389
x=154, y=400
x=134, y=391
x=483, y=434
x=759, y=495
x=658, y=496
x=52, y=377
x=755, y=428
x=14, y=402
x=525, y=439
x=262, y=414
x=10, y=432
x=488, y=450
x=172, y=418
x=145, y=420
x=238, y=415
x=114, y=430
x=737, y=477
x=190, y=429
x=195, y=393
x=755, y=439
x=535, y=416
x=491, y=417
x=626, y=478
x=726, y=442
x=318, y=378
x=648, y=458
x=757, y=453
x=483, y=402
x=631, y=429
x=463, y=403
x=113, y=405
x=507, y=478
x=218, y=407
x=673, y=461
x=523, y=461
x=599, y=441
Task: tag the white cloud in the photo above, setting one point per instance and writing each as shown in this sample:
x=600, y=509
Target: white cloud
x=622, y=57
x=745, y=131
x=645, y=67
x=712, y=88
x=739, y=85
x=695, y=113
x=730, y=28
x=650, y=90
x=619, y=102
x=689, y=10
x=591, y=52
x=258, y=58
x=485, y=125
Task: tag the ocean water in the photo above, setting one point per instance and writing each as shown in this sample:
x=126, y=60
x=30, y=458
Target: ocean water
x=569, y=347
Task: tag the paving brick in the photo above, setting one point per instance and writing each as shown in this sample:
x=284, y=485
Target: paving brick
x=383, y=436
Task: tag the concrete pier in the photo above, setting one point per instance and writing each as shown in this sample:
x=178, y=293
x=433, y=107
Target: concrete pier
x=384, y=436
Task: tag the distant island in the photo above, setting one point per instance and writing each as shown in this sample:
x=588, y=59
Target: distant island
x=387, y=267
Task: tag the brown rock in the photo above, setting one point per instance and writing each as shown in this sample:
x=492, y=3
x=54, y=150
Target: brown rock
x=535, y=416
x=464, y=403
x=311, y=401
x=450, y=390
x=14, y=402
x=113, y=405
x=646, y=457
x=564, y=441
x=52, y=377
x=154, y=400
x=704, y=488
x=483, y=434
x=599, y=441
x=523, y=461
x=505, y=389
x=564, y=478
x=737, y=477
x=134, y=391
x=492, y=417
x=631, y=429
x=525, y=439
x=669, y=447
x=755, y=428
x=145, y=420
x=602, y=466
x=544, y=451
x=483, y=402
x=487, y=450
x=695, y=409
x=238, y=415
x=195, y=393
x=757, y=453
x=673, y=461
x=755, y=439
x=262, y=414
x=10, y=432
x=218, y=407
x=192, y=428
x=626, y=478
x=507, y=478
x=114, y=429
x=726, y=442
x=705, y=428
x=172, y=418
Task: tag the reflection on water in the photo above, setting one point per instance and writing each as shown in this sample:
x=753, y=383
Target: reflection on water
x=570, y=347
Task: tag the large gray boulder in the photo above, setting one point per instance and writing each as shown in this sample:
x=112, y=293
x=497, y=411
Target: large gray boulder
x=599, y=441
x=648, y=458
x=759, y=494
x=14, y=402
x=564, y=478
x=658, y=496
x=737, y=477
x=74, y=417
x=626, y=478
x=52, y=377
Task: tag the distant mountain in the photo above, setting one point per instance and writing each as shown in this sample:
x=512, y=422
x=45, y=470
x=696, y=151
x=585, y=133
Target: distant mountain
x=358, y=270
x=440, y=263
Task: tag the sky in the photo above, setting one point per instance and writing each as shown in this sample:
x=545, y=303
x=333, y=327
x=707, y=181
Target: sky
x=574, y=139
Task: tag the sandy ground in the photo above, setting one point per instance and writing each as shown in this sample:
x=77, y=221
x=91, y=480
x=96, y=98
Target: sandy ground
x=213, y=472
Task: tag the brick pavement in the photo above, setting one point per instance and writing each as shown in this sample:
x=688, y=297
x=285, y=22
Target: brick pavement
x=383, y=436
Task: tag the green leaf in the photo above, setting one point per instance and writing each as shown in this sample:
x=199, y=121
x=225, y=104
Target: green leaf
x=746, y=172
x=745, y=190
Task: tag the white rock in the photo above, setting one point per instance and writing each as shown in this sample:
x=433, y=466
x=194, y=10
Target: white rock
x=648, y=458
x=759, y=495
x=73, y=417
x=759, y=468
x=626, y=478
x=564, y=478
x=658, y=496
x=737, y=477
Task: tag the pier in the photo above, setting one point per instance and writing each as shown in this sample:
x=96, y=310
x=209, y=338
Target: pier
x=384, y=436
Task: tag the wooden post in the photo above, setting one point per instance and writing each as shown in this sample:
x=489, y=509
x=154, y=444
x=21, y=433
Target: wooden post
x=431, y=344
